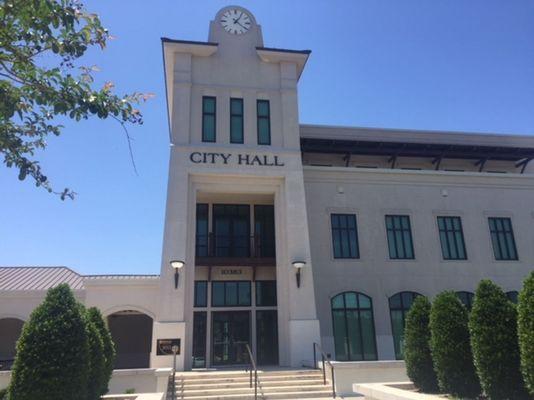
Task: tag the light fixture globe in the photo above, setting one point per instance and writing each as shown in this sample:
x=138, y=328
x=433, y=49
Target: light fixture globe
x=299, y=264
x=177, y=264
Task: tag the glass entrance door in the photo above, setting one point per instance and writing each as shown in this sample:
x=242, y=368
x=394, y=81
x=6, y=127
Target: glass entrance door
x=231, y=334
x=267, y=337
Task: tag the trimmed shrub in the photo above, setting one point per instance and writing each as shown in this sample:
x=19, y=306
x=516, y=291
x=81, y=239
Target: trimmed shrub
x=108, y=346
x=417, y=347
x=52, y=353
x=450, y=347
x=97, y=361
x=525, y=326
x=493, y=328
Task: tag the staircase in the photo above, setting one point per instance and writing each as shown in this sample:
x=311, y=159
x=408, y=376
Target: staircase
x=235, y=385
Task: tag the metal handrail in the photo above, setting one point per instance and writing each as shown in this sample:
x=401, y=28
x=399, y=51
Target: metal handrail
x=255, y=368
x=324, y=359
x=257, y=246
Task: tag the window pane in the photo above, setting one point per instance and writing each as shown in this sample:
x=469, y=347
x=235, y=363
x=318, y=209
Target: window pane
x=236, y=106
x=355, y=339
x=399, y=237
x=208, y=126
x=357, y=342
x=231, y=293
x=201, y=294
x=398, y=332
x=368, y=335
x=344, y=236
x=244, y=293
x=395, y=301
x=265, y=293
x=264, y=131
x=263, y=108
x=340, y=339
x=236, y=129
x=365, y=302
x=217, y=294
x=337, y=302
x=502, y=239
x=350, y=300
x=209, y=105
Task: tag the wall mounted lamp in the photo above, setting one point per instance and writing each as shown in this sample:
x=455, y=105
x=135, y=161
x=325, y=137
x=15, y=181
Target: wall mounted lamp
x=176, y=265
x=298, y=265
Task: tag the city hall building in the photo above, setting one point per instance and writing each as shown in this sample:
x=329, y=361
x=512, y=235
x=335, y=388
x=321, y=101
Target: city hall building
x=280, y=234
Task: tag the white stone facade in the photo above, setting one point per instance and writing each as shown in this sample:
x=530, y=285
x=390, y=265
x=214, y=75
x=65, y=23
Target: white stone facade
x=305, y=186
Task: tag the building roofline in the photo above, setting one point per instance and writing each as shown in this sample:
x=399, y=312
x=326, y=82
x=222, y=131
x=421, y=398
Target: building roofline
x=307, y=52
x=360, y=133
x=195, y=42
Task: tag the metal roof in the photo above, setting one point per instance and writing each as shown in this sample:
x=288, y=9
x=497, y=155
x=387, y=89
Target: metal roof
x=38, y=278
x=44, y=278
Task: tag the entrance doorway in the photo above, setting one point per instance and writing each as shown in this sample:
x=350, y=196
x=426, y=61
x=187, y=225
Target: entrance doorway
x=231, y=334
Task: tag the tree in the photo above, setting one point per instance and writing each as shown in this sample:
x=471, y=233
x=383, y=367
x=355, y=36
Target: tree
x=108, y=346
x=525, y=326
x=417, y=347
x=493, y=329
x=97, y=361
x=52, y=353
x=450, y=347
x=36, y=90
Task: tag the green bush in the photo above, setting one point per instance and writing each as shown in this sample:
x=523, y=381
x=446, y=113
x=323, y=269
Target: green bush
x=97, y=361
x=52, y=353
x=3, y=394
x=108, y=346
x=525, y=325
x=450, y=347
x=417, y=347
x=493, y=329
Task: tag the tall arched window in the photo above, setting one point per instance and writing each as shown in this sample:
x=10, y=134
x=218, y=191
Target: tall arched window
x=466, y=298
x=399, y=305
x=354, y=329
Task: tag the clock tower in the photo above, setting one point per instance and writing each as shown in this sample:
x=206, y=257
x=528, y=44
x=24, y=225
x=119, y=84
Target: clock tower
x=236, y=211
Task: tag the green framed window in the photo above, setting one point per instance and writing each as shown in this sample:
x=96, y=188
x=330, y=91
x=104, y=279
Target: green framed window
x=502, y=239
x=263, y=112
x=266, y=293
x=236, y=121
x=399, y=305
x=202, y=234
x=230, y=294
x=345, y=236
x=201, y=294
x=354, y=329
x=451, y=237
x=399, y=233
x=466, y=298
x=512, y=296
x=209, y=118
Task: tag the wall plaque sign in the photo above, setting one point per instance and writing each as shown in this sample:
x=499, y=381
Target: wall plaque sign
x=198, y=157
x=165, y=346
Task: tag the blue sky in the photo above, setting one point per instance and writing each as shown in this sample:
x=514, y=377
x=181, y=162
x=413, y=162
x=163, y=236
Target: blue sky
x=443, y=65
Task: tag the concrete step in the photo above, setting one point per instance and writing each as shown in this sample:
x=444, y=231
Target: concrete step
x=325, y=394
x=239, y=390
x=246, y=378
x=186, y=385
x=237, y=373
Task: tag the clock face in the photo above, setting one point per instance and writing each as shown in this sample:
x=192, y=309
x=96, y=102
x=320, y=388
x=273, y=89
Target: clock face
x=236, y=21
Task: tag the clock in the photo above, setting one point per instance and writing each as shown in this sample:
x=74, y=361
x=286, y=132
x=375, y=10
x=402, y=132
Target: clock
x=236, y=21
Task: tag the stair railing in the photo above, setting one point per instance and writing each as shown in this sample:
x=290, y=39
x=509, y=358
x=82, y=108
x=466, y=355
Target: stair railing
x=324, y=360
x=253, y=368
